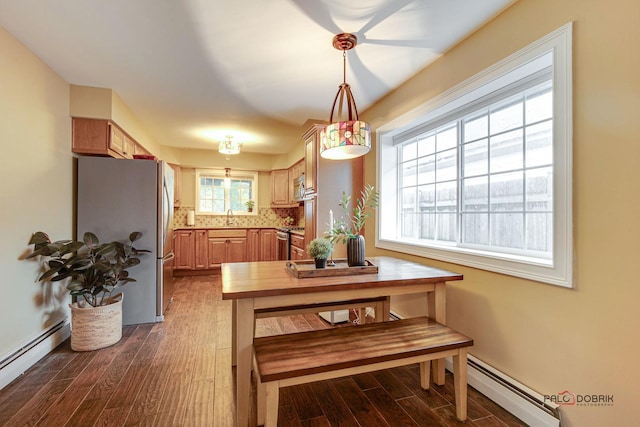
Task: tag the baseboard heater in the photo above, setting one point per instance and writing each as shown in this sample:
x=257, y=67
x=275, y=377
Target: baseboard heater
x=524, y=403
x=18, y=361
x=516, y=398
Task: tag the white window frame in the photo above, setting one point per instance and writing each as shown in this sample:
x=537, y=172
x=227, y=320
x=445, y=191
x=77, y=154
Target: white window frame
x=220, y=173
x=558, y=270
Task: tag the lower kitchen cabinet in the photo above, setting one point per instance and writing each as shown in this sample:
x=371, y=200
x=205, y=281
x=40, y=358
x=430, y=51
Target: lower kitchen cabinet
x=206, y=249
x=296, y=251
x=296, y=254
x=201, y=250
x=226, y=250
x=184, y=249
x=253, y=245
x=268, y=245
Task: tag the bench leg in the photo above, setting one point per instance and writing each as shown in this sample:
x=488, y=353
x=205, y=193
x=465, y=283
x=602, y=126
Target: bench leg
x=425, y=377
x=271, y=407
x=460, y=383
x=261, y=392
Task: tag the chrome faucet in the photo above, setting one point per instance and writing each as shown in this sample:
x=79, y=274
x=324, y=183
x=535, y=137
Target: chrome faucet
x=229, y=217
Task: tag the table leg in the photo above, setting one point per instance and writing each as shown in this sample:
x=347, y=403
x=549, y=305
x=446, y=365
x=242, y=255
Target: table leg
x=437, y=304
x=234, y=331
x=244, y=353
x=383, y=309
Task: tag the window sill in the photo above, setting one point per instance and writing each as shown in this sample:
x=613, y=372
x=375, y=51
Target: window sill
x=523, y=267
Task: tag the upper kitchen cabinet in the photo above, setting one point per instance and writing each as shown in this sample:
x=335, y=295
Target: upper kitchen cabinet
x=294, y=172
x=177, y=184
x=311, y=148
x=282, y=190
x=280, y=187
x=103, y=137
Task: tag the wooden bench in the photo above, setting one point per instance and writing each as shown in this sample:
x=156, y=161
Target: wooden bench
x=381, y=306
x=292, y=359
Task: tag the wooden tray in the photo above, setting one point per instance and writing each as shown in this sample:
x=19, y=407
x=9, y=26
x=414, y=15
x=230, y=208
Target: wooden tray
x=307, y=268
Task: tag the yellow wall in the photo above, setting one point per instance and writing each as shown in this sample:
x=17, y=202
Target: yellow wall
x=188, y=195
x=36, y=184
x=102, y=103
x=585, y=340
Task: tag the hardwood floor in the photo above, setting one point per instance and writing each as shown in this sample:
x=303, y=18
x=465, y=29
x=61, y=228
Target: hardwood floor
x=178, y=373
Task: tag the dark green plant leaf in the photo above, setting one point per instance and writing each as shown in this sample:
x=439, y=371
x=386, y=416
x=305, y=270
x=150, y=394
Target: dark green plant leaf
x=90, y=239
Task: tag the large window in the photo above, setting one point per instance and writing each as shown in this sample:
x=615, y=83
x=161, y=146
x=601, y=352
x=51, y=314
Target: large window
x=216, y=192
x=482, y=175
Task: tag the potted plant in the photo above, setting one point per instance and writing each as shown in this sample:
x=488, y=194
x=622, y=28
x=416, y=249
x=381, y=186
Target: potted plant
x=320, y=249
x=348, y=231
x=94, y=271
x=249, y=204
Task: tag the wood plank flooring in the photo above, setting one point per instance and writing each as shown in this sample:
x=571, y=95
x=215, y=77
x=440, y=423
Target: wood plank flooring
x=178, y=373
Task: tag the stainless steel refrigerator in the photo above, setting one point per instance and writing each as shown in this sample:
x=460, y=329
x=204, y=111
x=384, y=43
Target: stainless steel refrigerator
x=117, y=197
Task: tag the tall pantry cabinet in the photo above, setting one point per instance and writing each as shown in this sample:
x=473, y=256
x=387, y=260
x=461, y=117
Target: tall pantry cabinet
x=325, y=180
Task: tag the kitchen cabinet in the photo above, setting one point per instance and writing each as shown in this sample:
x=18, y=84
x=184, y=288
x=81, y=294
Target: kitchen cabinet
x=226, y=246
x=102, y=137
x=297, y=248
x=253, y=245
x=311, y=140
x=297, y=254
x=201, y=250
x=294, y=172
x=309, y=221
x=177, y=184
x=184, y=249
x=205, y=249
x=280, y=187
x=268, y=245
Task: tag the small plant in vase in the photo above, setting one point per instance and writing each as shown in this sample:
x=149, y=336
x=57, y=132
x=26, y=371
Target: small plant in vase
x=249, y=204
x=348, y=231
x=320, y=249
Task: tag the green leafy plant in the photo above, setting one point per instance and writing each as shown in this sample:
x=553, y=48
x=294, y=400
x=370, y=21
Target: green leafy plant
x=320, y=248
x=342, y=229
x=94, y=269
x=250, y=204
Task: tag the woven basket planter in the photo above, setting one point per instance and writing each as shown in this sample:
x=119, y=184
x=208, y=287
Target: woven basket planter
x=93, y=328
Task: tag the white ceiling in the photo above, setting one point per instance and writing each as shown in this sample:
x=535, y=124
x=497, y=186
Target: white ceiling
x=194, y=71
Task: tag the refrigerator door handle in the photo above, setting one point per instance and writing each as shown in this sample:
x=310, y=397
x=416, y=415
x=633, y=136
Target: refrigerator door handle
x=168, y=257
x=167, y=215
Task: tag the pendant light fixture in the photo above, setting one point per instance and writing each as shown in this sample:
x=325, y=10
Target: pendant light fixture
x=229, y=147
x=227, y=177
x=347, y=137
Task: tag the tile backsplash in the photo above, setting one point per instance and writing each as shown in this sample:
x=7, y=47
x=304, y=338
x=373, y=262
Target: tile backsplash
x=267, y=217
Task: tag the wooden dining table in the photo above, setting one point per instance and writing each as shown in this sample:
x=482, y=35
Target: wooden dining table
x=254, y=286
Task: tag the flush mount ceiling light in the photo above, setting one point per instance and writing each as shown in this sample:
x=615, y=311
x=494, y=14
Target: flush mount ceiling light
x=347, y=137
x=229, y=147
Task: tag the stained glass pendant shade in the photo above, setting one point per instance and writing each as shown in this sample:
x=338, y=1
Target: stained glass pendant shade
x=347, y=137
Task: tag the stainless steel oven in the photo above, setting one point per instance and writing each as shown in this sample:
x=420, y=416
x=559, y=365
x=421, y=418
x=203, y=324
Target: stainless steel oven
x=283, y=241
